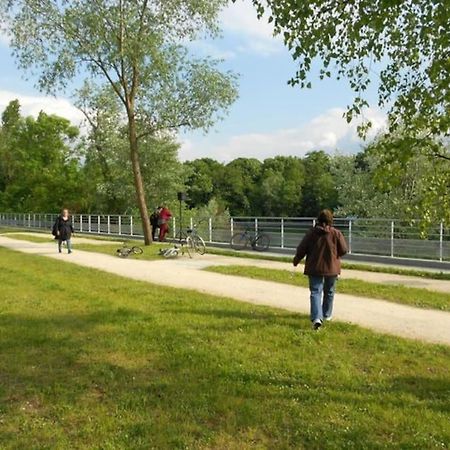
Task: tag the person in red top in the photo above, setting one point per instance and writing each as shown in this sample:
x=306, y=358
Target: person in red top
x=163, y=222
x=323, y=246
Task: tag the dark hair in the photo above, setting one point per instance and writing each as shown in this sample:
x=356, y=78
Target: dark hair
x=325, y=217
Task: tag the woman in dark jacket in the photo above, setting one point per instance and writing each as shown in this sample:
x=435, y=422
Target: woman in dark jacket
x=323, y=247
x=63, y=230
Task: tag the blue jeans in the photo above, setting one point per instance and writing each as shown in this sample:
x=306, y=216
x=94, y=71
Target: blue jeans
x=322, y=295
x=69, y=245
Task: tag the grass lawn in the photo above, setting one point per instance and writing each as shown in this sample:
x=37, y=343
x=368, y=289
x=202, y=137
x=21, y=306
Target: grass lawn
x=91, y=360
x=418, y=297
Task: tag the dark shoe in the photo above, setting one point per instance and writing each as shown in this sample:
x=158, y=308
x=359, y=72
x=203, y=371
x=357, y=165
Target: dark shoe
x=317, y=324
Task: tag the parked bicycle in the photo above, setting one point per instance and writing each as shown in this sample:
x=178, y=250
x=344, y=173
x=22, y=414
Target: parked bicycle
x=195, y=241
x=244, y=239
x=125, y=251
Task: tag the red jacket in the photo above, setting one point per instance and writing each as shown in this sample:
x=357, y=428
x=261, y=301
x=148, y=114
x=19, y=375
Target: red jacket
x=323, y=248
x=165, y=215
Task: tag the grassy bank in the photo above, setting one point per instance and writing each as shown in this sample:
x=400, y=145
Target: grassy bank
x=92, y=360
x=417, y=297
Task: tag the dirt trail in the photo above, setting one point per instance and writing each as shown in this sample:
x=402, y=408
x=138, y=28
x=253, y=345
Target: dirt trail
x=427, y=325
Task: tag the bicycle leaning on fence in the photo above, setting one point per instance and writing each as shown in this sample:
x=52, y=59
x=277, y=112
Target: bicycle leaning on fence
x=243, y=239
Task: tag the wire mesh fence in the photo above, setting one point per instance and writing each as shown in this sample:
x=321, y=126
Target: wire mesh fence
x=380, y=237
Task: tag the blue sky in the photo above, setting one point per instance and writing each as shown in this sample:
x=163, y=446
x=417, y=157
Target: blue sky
x=269, y=117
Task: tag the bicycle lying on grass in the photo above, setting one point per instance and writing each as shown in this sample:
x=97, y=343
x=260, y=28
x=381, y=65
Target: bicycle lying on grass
x=125, y=251
x=172, y=252
x=241, y=240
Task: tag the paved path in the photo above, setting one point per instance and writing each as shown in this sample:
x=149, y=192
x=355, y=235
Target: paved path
x=428, y=325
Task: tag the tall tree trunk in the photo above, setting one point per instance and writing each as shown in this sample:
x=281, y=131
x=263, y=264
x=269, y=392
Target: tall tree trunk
x=138, y=182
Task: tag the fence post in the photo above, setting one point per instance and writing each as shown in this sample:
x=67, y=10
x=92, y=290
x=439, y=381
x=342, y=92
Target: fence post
x=282, y=232
x=131, y=225
x=392, y=238
x=231, y=227
x=350, y=236
x=81, y=223
x=210, y=229
x=314, y=222
x=89, y=223
x=120, y=225
x=256, y=225
x=174, y=227
x=99, y=225
x=109, y=224
x=191, y=223
x=441, y=241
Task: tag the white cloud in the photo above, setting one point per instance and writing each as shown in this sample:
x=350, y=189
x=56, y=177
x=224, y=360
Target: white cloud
x=327, y=131
x=209, y=49
x=256, y=35
x=33, y=105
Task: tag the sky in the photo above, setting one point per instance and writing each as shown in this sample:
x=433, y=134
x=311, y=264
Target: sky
x=269, y=118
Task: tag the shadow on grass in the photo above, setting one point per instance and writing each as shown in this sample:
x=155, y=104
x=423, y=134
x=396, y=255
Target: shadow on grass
x=147, y=383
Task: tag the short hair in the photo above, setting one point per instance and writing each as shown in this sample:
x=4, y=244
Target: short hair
x=325, y=217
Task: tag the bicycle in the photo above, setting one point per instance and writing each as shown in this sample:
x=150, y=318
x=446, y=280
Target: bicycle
x=126, y=251
x=195, y=241
x=241, y=240
x=173, y=252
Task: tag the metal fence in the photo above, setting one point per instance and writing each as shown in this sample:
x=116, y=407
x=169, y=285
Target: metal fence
x=381, y=237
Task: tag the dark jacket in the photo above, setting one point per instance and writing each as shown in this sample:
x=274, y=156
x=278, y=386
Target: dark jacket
x=63, y=229
x=323, y=247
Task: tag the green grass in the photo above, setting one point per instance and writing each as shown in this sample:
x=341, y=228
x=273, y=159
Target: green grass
x=417, y=297
x=345, y=265
x=92, y=360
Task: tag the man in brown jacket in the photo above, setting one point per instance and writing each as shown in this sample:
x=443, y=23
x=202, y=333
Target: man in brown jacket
x=323, y=247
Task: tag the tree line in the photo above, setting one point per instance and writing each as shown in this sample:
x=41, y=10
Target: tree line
x=46, y=162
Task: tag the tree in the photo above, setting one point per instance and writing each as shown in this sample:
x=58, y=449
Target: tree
x=319, y=190
x=134, y=46
x=39, y=168
x=424, y=183
x=239, y=184
x=280, y=191
x=403, y=42
x=202, y=182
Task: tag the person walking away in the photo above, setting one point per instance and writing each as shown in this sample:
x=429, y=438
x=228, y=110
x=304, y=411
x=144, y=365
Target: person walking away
x=154, y=218
x=63, y=230
x=163, y=222
x=323, y=247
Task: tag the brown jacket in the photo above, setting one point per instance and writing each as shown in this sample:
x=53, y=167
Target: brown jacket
x=323, y=248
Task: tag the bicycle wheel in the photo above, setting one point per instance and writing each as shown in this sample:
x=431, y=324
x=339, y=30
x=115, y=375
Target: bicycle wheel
x=137, y=250
x=261, y=243
x=239, y=241
x=199, y=245
x=123, y=252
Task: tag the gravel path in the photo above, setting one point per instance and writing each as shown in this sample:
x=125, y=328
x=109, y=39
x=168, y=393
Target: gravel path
x=427, y=325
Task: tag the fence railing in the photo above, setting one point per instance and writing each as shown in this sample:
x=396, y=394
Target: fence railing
x=381, y=237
